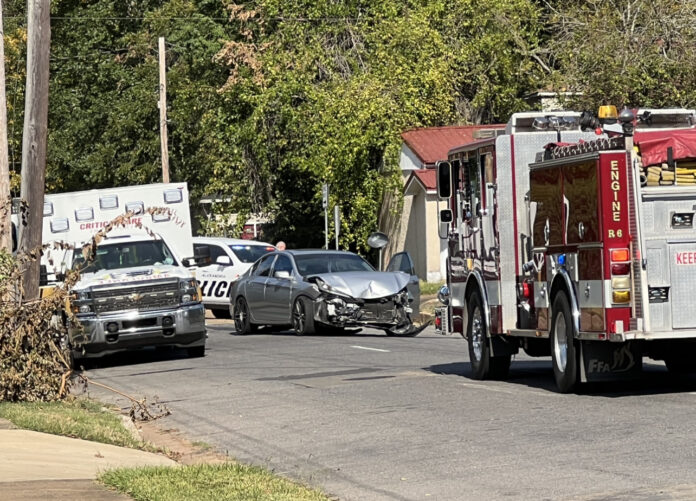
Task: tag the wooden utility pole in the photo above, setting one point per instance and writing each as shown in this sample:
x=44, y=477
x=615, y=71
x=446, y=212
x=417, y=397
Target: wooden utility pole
x=35, y=135
x=163, y=111
x=5, y=205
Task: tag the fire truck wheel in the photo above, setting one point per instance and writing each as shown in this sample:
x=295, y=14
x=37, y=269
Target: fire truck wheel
x=483, y=365
x=680, y=363
x=564, y=353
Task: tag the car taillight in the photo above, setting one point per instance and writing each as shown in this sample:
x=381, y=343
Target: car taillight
x=620, y=276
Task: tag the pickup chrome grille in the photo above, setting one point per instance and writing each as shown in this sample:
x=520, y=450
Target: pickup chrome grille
x=137, y=297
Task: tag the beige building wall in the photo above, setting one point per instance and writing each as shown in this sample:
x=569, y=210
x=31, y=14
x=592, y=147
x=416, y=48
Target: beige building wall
x=435, y=245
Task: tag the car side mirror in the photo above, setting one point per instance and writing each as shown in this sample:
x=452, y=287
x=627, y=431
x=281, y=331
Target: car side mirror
x=282, y=274
x=444, y=179
x=189, y=261
x=446, y=216
x=223, y=260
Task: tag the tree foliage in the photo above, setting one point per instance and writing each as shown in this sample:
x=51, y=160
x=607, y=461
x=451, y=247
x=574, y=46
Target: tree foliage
x=269, y=99
x=625, y=52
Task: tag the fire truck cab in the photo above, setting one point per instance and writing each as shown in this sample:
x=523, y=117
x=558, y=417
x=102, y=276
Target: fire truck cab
x=573, y=236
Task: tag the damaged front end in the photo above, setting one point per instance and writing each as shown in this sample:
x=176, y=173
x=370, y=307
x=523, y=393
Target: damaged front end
x=391, y=313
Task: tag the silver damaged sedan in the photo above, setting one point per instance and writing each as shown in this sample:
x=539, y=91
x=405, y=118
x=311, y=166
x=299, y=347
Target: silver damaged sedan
x=311, y=289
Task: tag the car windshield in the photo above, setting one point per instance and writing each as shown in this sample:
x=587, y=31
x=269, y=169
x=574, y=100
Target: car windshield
x=314, y=264
x=250, y=253
x=126, y=255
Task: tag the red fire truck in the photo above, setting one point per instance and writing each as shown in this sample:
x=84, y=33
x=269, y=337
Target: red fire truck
x=573, y=236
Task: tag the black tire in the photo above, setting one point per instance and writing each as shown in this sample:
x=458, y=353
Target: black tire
x=303, y=317
x=242, y=320
x=680, y=364
x=221, y=314
x=196, y=351
x=483, y=365
x=564, y=348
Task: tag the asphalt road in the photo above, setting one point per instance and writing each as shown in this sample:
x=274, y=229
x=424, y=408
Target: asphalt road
x=370, y=417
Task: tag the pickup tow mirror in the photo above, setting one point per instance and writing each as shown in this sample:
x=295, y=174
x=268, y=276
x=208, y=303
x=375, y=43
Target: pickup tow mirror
x=189, y=261
x=446, y=216
x=444, y=179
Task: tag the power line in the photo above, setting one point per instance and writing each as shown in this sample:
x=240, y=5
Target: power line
x=189, y=18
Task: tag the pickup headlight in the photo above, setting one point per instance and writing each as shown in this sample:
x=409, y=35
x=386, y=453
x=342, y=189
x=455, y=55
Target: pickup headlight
x=80, y=301
x=190, y=293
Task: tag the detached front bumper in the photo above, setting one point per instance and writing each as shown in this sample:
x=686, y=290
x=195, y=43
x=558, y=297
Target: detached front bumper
x=183, y=327
x=391, y=314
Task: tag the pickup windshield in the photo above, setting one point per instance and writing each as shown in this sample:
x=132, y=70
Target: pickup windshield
x=126, y=255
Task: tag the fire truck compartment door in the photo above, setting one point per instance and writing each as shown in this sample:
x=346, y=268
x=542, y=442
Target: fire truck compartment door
x=682, y=269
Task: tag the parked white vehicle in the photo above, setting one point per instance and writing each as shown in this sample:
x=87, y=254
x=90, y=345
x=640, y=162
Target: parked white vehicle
x=229, y=259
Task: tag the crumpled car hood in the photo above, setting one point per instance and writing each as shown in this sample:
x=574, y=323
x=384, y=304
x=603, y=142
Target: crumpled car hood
x=366, y=284
x=131, y=275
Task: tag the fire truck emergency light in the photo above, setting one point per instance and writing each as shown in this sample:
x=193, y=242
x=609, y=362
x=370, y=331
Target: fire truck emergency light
x=608, y=114
x=554, y=123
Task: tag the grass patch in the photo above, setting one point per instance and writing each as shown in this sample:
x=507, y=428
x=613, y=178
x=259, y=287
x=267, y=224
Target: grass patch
x=77, y=418
x=225, y=482
x=429, y=288
x=204, y=446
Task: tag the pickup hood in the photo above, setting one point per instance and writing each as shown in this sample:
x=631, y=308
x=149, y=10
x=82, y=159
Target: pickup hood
x=366, y=284
x=131, y=275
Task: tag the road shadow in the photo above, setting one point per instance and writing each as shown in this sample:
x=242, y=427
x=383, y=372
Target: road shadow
x=538, y=374
x=135, y=357
x=323, y=333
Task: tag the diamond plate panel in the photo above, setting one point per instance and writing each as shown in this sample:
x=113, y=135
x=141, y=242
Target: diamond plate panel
x=684, y=285
x=506, y=232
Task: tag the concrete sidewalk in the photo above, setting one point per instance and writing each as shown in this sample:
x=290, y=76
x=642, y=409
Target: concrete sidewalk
x=38, y=466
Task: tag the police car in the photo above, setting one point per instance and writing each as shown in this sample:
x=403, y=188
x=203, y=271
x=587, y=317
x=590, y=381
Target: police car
x=229, y=259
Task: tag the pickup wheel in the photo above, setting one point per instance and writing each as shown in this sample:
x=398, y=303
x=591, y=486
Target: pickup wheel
x=196, y=352
x=564, y=352
x=483, y=364
x=242, y=320
x=302, y=317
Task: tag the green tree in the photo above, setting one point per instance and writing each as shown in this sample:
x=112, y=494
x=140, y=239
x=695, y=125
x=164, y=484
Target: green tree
x=637, y=53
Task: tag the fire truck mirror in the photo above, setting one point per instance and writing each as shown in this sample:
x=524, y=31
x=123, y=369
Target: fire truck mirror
x=446, y=216
x=444, y=180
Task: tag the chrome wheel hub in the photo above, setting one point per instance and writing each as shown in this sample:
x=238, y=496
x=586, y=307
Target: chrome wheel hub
x=477, y=334
x=560, y=343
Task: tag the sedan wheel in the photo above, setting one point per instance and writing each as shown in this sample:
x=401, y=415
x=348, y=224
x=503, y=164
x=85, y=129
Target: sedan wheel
x=302, y=317
x=242, y=321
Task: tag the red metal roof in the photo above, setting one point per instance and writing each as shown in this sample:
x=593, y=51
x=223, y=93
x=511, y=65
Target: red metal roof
x=432, y=143
x=427, y=177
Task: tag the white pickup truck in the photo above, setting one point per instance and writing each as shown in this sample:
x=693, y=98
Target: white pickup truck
x=135, y=293
x=138, y=290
